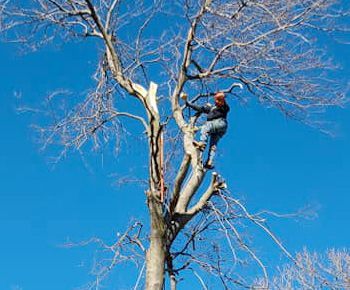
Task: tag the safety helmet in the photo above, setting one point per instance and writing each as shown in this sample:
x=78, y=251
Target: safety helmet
x=219, y=98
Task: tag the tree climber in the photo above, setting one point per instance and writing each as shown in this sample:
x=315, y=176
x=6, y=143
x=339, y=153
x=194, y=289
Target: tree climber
x=215, y=127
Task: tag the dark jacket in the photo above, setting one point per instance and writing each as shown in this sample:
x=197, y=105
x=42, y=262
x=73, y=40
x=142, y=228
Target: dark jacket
x=213, y=112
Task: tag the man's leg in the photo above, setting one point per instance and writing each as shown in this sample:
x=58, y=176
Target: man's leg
x=214, y=139
x=205, y=131
x=219, y=128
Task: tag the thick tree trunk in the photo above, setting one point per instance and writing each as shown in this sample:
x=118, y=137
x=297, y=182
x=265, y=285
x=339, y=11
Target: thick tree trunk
x=155, y=259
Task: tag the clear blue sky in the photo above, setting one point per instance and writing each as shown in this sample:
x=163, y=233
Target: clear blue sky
x=271, y=162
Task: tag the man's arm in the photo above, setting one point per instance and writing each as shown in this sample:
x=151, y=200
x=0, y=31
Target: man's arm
x=196, y=107
x=201, y=109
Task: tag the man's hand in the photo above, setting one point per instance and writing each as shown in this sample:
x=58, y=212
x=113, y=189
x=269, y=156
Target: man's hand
x=184, y=96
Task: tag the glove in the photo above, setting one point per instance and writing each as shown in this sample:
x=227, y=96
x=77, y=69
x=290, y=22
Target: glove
x=183, y=96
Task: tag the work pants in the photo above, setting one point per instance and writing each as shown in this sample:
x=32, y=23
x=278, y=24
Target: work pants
x=214, y=130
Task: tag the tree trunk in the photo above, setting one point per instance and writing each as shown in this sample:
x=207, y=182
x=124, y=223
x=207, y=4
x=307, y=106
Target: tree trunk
x=155, y=257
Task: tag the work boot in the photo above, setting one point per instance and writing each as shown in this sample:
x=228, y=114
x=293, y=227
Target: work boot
x=209, y=165
x=199, y=145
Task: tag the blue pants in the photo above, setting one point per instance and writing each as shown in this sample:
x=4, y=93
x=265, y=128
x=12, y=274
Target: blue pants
x=214, y=129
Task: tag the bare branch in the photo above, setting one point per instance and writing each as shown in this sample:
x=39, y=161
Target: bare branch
x=268, y=49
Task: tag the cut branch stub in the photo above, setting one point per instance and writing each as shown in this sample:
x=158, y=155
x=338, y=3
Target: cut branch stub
x=152, y=97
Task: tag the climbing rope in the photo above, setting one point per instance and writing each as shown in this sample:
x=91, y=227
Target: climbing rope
x=162, y=186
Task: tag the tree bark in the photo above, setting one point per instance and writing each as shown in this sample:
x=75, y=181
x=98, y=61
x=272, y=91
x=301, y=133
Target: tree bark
x=155, y=265
x=155, y=257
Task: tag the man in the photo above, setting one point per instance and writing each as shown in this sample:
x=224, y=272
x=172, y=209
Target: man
x=215, y=127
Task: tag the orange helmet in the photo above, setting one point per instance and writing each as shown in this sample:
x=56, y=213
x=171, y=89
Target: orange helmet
x=219, y=98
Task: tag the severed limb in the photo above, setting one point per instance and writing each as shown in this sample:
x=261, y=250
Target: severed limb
x=215, y=185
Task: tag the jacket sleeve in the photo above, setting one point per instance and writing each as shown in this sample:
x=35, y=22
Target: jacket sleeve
x=202, y=109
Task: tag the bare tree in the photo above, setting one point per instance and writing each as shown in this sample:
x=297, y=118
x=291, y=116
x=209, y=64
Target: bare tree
x=316, y=271
x=269, y=47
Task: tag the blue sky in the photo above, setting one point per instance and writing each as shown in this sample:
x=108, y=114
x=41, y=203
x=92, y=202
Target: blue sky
x=269, y=161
